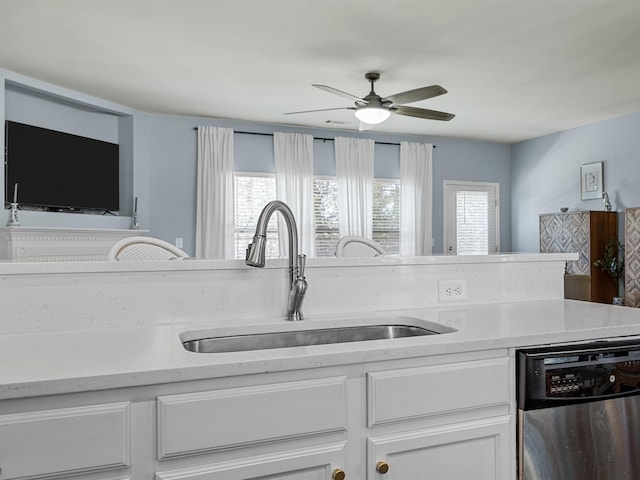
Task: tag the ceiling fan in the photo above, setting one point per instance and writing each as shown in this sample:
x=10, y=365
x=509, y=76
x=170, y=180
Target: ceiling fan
x=374, y=109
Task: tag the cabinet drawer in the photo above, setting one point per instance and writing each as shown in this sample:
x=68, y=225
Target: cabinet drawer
x=423, y=391
x=316, y=463
x=64, y=441
x=205, y=421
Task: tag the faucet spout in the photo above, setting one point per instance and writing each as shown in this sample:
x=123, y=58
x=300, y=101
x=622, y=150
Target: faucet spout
x=256, y=255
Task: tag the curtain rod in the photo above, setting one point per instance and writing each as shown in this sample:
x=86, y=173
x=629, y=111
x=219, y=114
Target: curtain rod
x=315, y=138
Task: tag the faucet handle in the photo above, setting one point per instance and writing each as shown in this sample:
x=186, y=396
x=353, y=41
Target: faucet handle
x=302, y=260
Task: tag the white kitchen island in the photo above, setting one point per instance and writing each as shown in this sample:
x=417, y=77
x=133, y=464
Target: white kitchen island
x=94, y=380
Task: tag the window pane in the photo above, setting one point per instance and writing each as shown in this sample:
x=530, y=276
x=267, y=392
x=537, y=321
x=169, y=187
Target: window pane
x=472, y=226
x=386, y=215
x=251, y=194
x=325, y=209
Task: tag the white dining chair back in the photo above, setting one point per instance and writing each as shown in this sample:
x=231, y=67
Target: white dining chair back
x=356, y=246
x=141, y=248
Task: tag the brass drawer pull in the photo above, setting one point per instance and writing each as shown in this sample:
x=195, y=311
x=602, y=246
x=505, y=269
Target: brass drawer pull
x=338, y=474
x=382, y=467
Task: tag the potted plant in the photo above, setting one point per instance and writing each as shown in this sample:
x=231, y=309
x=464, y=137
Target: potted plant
x=612, y=263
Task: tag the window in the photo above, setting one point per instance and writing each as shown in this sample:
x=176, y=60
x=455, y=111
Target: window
x=471, y=217
x=253, y=191
x=325, y=209
x=386, y=214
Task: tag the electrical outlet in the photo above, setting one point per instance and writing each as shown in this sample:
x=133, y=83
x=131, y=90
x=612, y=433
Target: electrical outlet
x=452, y=290
x=179, y=242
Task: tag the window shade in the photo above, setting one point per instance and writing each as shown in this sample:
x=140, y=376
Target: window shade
x=472, y=229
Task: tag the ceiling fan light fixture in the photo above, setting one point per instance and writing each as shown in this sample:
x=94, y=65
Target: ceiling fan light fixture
x=372, y=115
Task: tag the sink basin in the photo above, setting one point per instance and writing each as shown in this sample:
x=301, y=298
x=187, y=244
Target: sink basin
x=303, y=338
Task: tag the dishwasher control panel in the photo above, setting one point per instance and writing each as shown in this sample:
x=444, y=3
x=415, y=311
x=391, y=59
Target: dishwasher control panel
x=576, y=373
x=563, y=383
x=592, y=380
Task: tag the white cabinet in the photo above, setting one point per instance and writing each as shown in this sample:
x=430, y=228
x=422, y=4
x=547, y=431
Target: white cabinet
x=436, y=390
x=241, y=417
x=64, y=441
x=450, y=421
x=445, y=417
x=319, y=463
x=455, y=452
x=232, y=428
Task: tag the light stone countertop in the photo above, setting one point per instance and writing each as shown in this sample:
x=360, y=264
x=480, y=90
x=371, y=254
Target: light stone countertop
x=8, y=267
x=33, y=364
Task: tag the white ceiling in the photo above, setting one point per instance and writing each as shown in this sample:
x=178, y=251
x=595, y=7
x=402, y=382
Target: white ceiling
x=514, y=70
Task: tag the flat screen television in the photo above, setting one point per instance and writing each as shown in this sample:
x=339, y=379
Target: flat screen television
x=59, y=171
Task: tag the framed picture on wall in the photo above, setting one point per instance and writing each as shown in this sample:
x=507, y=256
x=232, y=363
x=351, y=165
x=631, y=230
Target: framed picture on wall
x=591, y=181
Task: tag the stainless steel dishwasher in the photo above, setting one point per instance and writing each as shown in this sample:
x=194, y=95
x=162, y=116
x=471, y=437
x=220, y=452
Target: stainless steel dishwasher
x=579, y=412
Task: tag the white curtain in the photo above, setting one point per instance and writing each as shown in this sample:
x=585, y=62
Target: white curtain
x=354, y=175
x=293, y=153
x=214, y=207
x=416, y=194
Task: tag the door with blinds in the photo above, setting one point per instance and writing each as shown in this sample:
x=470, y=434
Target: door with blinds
x=471, y=218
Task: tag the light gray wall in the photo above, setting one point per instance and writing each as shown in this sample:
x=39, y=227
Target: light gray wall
x=173, y=165
x=25, y=106
x=536, y=176
x=159, y=164
x=546, y=174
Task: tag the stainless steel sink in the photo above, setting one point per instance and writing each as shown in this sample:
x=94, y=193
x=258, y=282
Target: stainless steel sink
x=299, y=338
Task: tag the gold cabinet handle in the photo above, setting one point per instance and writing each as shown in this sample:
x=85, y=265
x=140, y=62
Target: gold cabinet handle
x=338, y=474
x=382, y=467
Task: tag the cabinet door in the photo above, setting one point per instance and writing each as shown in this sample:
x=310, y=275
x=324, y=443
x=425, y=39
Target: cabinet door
x=477, y=450
x=567, y=233
x=65, y=441
x=317, y=463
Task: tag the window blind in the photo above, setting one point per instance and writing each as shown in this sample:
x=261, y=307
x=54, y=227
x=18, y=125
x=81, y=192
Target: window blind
x=472, y=229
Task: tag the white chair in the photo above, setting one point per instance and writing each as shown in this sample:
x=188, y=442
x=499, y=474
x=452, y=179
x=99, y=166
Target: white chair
x=144, y=248
x=355, y=246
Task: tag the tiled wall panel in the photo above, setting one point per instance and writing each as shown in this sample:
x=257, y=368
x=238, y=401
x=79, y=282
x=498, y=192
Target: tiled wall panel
x=567, y=232
x=632, y=257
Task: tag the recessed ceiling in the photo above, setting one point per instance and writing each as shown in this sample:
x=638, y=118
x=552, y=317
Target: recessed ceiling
x=514, y=70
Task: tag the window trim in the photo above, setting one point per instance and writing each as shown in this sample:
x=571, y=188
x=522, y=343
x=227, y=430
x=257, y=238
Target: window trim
x=253, y=174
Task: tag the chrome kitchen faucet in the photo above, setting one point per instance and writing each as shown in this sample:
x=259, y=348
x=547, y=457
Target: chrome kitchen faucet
x=256, y=255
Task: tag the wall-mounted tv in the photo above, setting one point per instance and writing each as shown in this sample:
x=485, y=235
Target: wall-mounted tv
x=59, y=171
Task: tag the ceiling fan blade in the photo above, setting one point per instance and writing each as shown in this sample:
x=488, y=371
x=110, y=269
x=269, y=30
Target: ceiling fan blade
x=423, y=113
x=335, y=91
x=415, y=95
x=321, y=110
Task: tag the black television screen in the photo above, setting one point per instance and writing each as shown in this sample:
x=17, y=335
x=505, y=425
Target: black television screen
x=57, y=170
